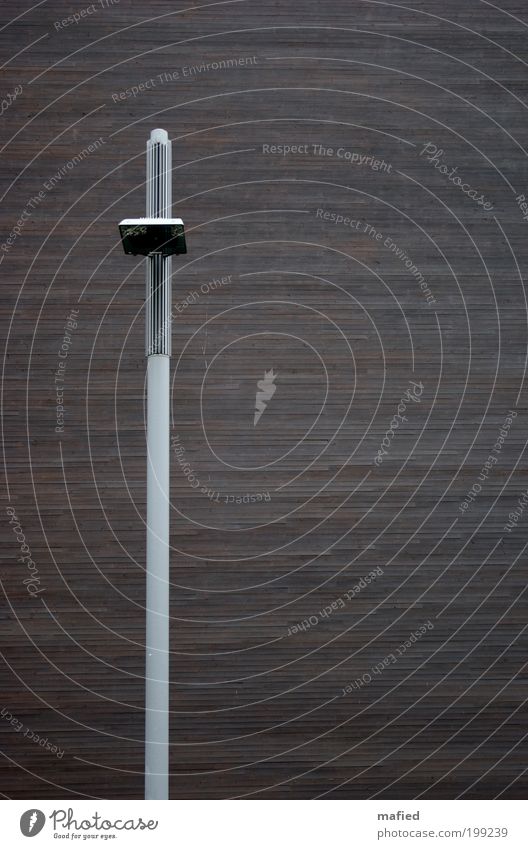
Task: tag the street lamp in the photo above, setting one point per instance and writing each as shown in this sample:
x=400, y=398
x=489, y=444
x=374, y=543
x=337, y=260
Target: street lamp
x=158, y=237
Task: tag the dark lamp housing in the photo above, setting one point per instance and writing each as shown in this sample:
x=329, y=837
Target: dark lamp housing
x=146, y=236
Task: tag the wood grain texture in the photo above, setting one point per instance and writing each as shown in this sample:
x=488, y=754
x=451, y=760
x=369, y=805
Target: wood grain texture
x=273, y=524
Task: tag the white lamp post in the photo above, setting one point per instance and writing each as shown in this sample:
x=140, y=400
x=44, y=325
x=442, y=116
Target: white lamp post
x=157, y=237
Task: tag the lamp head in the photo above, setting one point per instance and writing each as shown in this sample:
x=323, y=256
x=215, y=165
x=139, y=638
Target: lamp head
x=147, y=236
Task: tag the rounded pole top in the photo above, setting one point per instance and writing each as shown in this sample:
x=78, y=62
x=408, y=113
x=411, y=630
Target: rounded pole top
x=159, y=136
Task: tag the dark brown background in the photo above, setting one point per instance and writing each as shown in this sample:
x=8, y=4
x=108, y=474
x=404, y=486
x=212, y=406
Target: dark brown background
x=256, y=712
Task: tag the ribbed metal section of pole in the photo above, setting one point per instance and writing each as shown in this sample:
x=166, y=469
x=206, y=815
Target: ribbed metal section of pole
x=158, y=349
x=159, y=268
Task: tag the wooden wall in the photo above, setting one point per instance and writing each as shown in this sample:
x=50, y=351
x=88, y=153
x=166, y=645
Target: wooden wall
x=400, y=330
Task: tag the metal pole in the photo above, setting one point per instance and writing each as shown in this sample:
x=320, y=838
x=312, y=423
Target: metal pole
x=158, y=350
